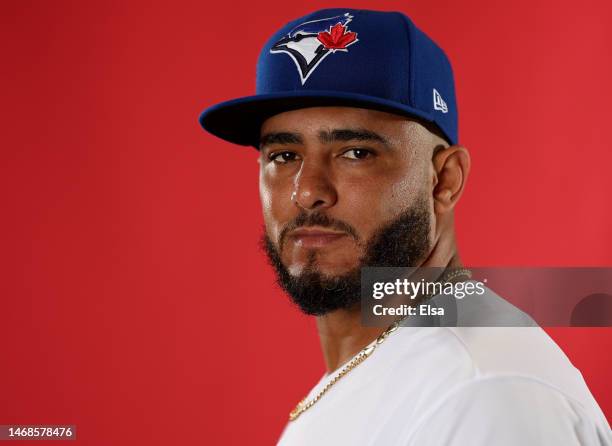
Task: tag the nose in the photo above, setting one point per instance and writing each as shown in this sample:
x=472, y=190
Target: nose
x=314, y=188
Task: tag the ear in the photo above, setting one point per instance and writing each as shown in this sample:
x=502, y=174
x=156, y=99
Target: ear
x=451, y=169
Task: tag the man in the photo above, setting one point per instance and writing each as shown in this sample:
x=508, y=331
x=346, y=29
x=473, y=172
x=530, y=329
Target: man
x=356, y=123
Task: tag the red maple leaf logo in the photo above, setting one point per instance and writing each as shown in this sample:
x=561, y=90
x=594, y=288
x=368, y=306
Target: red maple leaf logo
x=337, y=38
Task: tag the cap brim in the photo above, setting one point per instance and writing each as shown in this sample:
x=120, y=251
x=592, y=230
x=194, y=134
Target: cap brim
x=239, y=120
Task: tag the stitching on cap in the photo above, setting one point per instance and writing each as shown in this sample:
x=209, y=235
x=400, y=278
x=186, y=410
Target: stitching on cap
x=411, y=80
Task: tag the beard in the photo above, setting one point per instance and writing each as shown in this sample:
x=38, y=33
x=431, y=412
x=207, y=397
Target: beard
x=399, y=243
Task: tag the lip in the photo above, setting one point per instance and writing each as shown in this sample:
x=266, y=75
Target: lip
x=315, y=237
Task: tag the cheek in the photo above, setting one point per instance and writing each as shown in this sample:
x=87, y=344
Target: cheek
x=265, y=196
x=404, y=188
x=362, y=205
x=403, y=192
x=275, y=203
x=376, y=200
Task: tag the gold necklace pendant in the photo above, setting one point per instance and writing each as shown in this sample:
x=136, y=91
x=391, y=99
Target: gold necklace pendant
x=364, y=353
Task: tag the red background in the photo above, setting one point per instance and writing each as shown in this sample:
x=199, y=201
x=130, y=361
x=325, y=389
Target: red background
x=134, y=300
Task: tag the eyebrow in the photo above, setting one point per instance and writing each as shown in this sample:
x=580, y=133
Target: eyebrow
x=280, y=138
x=355, y=134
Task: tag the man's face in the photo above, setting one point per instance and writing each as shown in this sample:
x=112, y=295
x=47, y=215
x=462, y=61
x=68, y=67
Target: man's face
x=333, y=178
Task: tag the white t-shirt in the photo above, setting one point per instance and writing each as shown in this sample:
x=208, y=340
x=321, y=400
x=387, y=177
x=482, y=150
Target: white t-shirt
x=452, y=386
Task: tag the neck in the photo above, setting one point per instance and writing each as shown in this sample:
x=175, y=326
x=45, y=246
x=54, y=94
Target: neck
x=341, y=334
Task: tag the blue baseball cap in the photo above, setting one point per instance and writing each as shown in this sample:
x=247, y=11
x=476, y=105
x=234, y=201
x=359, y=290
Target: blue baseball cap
x=344, y=57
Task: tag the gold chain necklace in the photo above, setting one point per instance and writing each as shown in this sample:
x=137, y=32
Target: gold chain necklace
x=365, y=353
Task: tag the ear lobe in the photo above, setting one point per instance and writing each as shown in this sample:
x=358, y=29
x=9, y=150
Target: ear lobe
x=451, y=167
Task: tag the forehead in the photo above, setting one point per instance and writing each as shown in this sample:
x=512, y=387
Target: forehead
x=315, y=119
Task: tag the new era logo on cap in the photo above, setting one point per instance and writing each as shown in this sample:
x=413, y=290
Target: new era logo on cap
x=439, y=103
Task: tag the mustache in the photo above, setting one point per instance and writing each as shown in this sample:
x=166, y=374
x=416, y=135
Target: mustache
x=316, y=219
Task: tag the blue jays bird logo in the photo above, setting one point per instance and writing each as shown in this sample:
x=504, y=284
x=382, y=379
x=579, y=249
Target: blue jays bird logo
x=311, y=42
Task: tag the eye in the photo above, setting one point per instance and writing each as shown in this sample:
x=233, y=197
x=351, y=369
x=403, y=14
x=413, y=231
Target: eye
x=357, y=154
x=283, y=157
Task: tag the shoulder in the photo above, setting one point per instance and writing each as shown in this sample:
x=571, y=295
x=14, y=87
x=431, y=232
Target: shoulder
x=509, y=381
x=509, y=410
x=524, y=352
